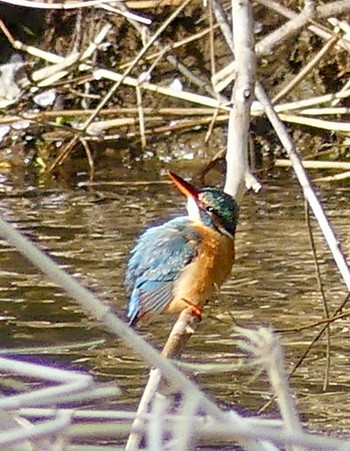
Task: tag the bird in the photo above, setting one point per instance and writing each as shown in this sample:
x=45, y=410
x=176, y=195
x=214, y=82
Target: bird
x=181, y=263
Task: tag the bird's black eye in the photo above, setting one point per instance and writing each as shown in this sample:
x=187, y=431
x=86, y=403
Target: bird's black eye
x=210, y=209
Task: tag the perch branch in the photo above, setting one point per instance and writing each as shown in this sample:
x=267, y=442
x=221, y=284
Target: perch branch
x=239, y=120
x=181, y=332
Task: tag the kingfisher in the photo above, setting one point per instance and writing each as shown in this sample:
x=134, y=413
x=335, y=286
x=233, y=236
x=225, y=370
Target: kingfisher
x=180, y=264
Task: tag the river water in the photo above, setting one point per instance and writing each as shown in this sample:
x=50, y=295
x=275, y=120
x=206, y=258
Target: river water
x=89, y=227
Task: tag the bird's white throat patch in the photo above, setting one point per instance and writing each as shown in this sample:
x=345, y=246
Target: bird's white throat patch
x=192, y=209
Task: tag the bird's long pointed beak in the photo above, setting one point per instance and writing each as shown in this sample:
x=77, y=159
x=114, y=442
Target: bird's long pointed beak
x=184, y=187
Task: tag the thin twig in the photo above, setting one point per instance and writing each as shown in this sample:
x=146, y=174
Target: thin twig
x=323, y=295
x=141, y=117
x=334, y=317
x=306, y=186
x=181, y=332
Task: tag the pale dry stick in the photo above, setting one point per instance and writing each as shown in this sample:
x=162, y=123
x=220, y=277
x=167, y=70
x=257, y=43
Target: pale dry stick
x=345, y=27
x=325, y=111
x=146, y=76
x=342, y=25
x=305, y=185
x=77, y=5
x=172, y=112
x=64, y=6
x=137, y=429
x=224, y=25
x=211, y=37
x=51, y=74
x=255, y=429
x=300, y=104
x=147, y=4
x=306, y=69
x=266, y=45
x=344, y=88
x=10, y=440
x=239, y=120
x=77, y=37
x=182, y=95
x=221, y=79
x=334, y=178
x=252, y=429
x=51, y=57
x=127, y=14
x=98, y=127
x=141, y=117
x=183, y=430
x=267, y=353
x=11, y=421
x=317, y=29
x=316, y=123
x=181, y=332
x=156, y=426
x=211, y=126
x=69, y=383
x=180, y=125
x=315, y=164
x=245, y=44
x=87, y=149
x=311, y=6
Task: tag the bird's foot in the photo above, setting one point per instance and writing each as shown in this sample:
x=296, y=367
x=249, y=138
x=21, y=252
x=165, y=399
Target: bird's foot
x=197, y=311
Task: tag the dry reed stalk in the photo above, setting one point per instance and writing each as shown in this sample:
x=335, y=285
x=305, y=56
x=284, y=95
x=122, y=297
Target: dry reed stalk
x=314, y=164
x=181, y=332
x=334, y=178
x=309, y=193
x=316, y=123
x=78, y=5
x=268, y=354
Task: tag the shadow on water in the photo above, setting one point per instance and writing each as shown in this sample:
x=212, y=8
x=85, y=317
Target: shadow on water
x=89, y=231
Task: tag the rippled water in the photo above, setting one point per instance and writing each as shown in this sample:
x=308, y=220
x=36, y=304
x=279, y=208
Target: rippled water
x=88, y=229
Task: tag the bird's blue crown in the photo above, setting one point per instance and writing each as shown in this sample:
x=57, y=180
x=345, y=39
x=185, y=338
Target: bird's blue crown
x=218, y=209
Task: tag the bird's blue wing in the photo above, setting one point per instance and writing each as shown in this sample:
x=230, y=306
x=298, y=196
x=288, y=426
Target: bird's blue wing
x=156, y=262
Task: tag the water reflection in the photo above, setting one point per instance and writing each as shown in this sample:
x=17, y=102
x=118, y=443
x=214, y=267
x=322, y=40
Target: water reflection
x=89, y=232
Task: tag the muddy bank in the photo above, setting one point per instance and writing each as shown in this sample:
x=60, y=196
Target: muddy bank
x=158, y=106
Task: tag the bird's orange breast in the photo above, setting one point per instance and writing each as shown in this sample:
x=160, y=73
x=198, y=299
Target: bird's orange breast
x=209, y=269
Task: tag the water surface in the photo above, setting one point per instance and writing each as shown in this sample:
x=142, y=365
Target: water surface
x=89, y=229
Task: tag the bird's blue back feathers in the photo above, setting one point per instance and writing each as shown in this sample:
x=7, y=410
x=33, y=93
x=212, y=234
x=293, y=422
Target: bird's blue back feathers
x=156, y=262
